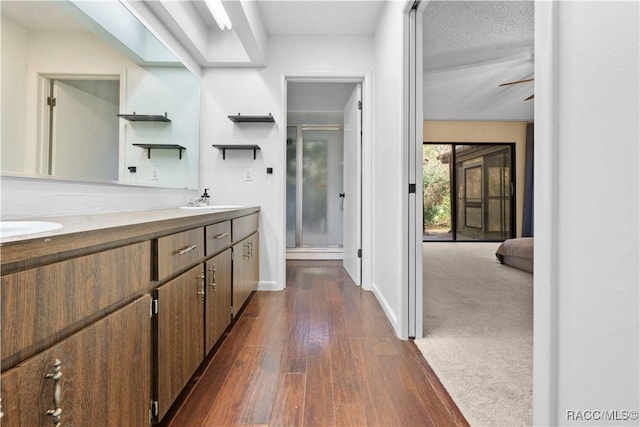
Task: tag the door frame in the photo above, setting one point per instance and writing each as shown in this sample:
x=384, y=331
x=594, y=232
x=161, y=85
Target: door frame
x=365, y=158
x=43, y=118
x=412, y=293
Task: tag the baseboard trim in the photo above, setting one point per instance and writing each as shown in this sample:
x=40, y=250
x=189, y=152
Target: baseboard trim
x=271, y=285
x=387, y=309
x=311, y=254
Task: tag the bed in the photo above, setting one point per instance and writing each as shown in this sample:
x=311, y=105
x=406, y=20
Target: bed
x=517, y=253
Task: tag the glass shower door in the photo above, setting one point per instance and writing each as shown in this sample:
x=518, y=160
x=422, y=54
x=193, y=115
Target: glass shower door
x=318, y=170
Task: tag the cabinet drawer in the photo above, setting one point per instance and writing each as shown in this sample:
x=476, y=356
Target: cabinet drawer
x=244, y=226
x=43, y=303
x=218, y=237
x=178, y=251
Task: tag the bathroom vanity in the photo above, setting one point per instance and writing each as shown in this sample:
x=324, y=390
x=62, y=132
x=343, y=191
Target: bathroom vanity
x=105, y=320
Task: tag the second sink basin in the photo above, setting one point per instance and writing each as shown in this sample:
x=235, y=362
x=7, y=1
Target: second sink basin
x=21, y=228
x=212, y=207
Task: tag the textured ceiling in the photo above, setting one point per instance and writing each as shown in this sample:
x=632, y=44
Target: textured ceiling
x=469, y=48
x=466, y=32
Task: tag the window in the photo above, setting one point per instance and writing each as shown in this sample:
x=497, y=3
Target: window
x=468, y=192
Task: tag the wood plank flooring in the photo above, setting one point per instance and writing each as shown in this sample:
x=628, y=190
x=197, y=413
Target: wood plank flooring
x=320, y=353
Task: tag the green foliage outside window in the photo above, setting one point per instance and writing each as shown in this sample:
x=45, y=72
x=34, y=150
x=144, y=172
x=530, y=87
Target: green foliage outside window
x=435, y=182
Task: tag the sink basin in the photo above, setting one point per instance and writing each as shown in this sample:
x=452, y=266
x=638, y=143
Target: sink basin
x=197, y=208
x=21, y=228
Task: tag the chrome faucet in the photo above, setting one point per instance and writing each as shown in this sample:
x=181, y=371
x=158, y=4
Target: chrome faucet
x=203, y=200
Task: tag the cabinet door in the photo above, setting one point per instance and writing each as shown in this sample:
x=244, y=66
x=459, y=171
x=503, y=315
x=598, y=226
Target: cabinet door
x=245, y=270
x=254, y=262
x=180, y=326
x=104, y=376
x=218, y=297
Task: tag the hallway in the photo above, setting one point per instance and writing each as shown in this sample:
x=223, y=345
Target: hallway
x=319, y=353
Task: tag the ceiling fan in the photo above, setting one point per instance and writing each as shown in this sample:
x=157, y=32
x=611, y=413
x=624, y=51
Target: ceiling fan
x=518, y=82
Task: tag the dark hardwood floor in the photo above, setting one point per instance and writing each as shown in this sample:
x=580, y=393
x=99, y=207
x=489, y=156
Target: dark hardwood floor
x=320, y=353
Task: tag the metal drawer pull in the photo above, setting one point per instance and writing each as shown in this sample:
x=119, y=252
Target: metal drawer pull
x=221, y=236
x=185, y=250
x=56, y=412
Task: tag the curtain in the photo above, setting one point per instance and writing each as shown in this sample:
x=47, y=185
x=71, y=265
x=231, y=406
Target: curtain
x=527, y=215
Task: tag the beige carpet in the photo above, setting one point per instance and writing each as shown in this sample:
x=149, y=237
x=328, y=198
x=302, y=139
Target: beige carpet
x=478, y=326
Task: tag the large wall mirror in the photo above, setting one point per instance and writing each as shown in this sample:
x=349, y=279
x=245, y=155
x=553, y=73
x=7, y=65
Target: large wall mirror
x=89, y=94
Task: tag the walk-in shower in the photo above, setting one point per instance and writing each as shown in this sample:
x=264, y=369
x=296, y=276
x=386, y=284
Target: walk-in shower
x=314, y=187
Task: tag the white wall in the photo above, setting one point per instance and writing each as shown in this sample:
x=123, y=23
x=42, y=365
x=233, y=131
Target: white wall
x=387, y=164
x=159, y=90
x=29, y=198
x=14, y=105
x=228, y=91
x=586, y=279
x=304, y=96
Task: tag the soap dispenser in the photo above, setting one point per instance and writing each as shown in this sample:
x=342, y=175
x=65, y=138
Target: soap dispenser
x=205, y=197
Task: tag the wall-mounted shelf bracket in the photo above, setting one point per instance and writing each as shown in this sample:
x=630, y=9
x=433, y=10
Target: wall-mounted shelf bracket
x=224, y=149
x=144, y=117
x=162, y=147
x=252, y=119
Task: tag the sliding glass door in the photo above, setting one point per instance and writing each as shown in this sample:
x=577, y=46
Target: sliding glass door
x=468, y=192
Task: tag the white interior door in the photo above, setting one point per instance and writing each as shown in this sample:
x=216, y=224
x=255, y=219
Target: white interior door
x=352, y=260
x=84, y=133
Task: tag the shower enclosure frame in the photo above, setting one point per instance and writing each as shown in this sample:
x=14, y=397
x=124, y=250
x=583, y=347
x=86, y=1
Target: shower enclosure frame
x=299, y=246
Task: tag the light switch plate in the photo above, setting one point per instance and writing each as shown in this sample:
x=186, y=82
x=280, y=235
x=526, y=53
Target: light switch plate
x=248, y=174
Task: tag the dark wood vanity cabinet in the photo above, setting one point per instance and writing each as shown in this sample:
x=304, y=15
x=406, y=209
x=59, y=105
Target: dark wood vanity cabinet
x=106, y=327
x=195, y=308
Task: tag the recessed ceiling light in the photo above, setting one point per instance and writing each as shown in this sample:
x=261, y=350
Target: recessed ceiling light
x=219, y=14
